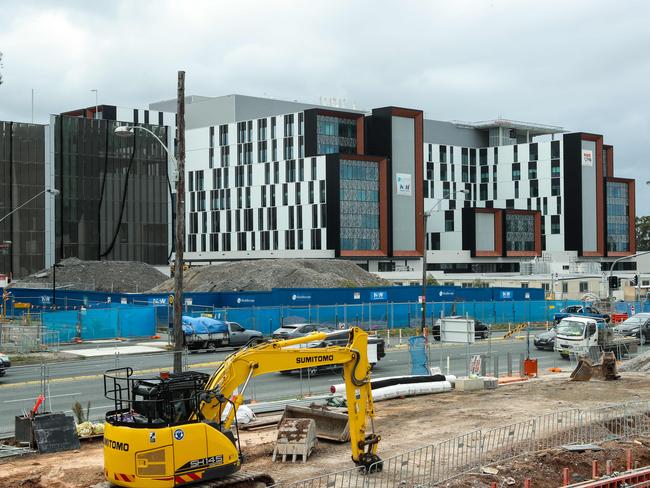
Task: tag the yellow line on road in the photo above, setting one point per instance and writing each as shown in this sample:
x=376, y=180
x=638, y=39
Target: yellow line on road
x=95, y=376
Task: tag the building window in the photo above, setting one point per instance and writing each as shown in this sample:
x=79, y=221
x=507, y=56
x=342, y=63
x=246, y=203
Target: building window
x=555, y=149
x=520, y=232
x=515, y=153
x=449, y=220
x=584, y=286
x=443, y=172
x=359, y=205
x=288, y=125
x=532, y=170
x=555, y=186
x=485, y=174
x=482, y=156
x=335, y=135
x=618, y=237
x=524, y=285
x=443, y=154
x=464, y=155
x=555, y=169
x=565, y=287
x=516, y=172
x=532, y=152
x=534, y=188
x=385, y=266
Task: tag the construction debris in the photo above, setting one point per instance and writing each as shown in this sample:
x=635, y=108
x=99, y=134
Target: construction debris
x=265, y=274
x=296, y=437
x=640, y=364
x=106, y=276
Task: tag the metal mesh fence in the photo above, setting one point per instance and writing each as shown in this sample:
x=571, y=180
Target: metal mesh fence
x=433, y=464
x=23, y=339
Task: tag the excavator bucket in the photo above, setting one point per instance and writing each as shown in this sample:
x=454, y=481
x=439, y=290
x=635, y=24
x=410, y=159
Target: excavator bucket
x=606, y=369
x=583, y=371
x=330, y=425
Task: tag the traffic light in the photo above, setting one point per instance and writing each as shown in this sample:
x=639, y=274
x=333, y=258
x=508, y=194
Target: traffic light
x=635, y=280
x=613, y=283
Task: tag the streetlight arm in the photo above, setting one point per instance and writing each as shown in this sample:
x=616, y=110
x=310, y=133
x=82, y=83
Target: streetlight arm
x=27, y=202
x=169, y=153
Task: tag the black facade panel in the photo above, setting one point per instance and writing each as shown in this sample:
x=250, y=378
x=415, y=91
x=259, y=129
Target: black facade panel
x=572, y=175
x=114, y=192
x=310, y=132
x=379, y=142
x=333, y=188
x=469, y=230
x=22, y=177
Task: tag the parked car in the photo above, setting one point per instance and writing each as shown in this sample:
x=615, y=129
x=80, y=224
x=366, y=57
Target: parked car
x=291, y=331
x=207, y=333
x=481, y=329
x=636, y=326
x=5, y=363
x=579, y=310
x=545, y=340
x=239, y=336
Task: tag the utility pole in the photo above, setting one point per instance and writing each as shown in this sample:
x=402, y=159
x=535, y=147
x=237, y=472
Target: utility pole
x=180, y=226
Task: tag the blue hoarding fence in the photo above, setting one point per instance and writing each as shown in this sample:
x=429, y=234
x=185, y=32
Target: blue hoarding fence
x=101, y=323
x=382, y=315
x=41, y=299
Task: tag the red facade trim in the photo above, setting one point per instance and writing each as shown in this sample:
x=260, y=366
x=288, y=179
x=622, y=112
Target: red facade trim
x=498, y=232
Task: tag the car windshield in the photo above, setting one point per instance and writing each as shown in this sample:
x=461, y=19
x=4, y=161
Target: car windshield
x=570, y=328
x=634, y=321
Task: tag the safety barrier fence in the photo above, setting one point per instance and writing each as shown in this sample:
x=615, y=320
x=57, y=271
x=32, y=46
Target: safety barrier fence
x=439, y=462
x=21, y=339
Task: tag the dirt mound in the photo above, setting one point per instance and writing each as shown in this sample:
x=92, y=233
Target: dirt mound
x=107, y=276
x=265, y=274
x=640, y=364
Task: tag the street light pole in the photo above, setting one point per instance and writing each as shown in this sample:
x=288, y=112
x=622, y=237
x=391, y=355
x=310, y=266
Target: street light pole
x=611, y=270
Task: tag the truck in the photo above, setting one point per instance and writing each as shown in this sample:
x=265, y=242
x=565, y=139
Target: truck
x=178, y=428
x=580, y=310
x=587, y=336
x=5, y=363
x=208, y=333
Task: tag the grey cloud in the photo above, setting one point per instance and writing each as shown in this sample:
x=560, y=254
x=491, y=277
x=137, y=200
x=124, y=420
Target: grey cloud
x=581, y=64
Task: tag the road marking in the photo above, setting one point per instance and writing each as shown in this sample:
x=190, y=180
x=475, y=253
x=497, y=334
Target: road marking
x=95, y=376
x=51, y=396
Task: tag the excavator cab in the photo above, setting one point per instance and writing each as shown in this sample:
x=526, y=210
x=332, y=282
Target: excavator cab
x=156, y=436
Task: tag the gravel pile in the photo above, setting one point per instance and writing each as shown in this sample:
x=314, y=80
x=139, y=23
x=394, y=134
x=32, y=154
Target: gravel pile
x=265, y=274
x=108, y=276
x=640, y=364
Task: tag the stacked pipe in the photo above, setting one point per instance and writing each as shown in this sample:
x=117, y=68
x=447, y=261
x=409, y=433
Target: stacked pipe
x=401, y=386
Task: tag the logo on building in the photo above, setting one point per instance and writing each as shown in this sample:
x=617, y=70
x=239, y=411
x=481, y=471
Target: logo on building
x=403, y=182
x=587, y=157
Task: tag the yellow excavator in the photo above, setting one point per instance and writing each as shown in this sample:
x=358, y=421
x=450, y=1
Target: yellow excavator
x=177, y=429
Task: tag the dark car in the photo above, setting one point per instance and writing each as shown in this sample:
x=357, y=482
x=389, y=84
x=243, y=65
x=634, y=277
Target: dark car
x=481, y=329
x=545, y=340
x=5, y=363
x=238, y=336
x=636, y=326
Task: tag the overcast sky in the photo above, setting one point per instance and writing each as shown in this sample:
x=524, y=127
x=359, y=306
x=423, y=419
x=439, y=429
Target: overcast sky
x=582, y=65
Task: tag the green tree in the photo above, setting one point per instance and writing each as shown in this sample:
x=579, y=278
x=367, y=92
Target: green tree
x=643, y=233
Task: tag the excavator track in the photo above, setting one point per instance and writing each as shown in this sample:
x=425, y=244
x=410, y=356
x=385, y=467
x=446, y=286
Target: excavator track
x=241, y=479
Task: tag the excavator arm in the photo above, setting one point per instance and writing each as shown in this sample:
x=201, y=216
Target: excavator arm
x=228, y=384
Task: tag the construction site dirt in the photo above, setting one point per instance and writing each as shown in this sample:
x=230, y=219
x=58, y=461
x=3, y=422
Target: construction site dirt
x=404, y=424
